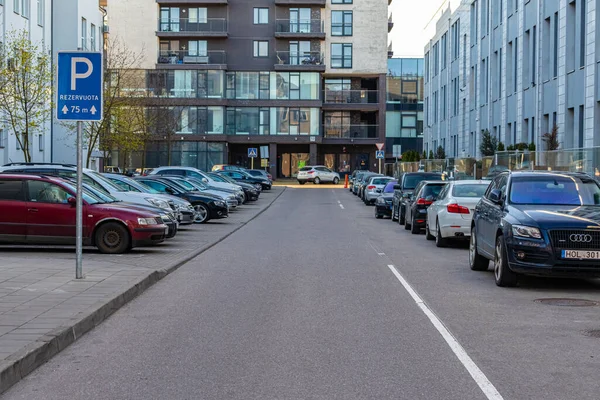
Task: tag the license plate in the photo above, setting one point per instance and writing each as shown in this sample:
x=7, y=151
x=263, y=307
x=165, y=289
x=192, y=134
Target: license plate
x=581, y=254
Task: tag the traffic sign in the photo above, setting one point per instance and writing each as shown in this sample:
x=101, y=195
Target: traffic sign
x=264, y=162
x=379, y=146
x=252, y=152
x=79, y=86
x=379, y=154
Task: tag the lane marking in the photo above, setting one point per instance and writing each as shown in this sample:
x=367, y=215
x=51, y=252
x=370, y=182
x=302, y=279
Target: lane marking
x=339, y=202
x=341, y=206
x=381, y=254
x=478, y=376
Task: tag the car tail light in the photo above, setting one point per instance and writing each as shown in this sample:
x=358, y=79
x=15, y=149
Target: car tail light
x=423, y=202
x=371, y=187
x=456, y=209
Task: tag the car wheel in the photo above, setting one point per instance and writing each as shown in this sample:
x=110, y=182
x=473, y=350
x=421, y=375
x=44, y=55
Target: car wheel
x=394, y=215
x=414, y=229
x=377, y=215
x=336, y=180
x=504, y=276
x=406, y=224
x=440, y=241
x=302, y=182
x=428, y=234
x=476, y=261
x=202, y=214
x=317, y=180
x=112, y=238
x=244, y=198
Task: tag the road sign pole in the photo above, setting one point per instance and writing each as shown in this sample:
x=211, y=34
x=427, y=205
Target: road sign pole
x=252, y=163
x=380, y=166
x=79, y=204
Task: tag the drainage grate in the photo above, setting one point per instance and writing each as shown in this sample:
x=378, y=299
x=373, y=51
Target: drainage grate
x=595, y=333
x=567, y=302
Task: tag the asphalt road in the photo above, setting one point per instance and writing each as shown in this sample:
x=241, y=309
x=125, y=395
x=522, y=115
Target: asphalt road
x=302, y=304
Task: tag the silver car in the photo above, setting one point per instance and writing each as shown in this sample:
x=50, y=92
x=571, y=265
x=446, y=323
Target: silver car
x=317, y=174
x=374, y=187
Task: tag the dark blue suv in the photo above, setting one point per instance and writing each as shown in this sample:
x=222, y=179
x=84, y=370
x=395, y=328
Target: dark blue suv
x=537, y=223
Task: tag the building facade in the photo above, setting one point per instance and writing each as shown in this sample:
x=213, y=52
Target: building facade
x=515, y=68
x=304, y=78
x=404, y=116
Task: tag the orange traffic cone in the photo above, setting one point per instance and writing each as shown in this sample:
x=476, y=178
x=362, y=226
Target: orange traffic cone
x=346, y=182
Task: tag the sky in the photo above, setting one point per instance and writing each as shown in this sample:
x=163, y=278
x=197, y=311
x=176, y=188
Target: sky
x=414, y=24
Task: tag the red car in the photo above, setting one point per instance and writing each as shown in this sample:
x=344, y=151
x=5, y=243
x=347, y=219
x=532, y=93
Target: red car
x=41, y=210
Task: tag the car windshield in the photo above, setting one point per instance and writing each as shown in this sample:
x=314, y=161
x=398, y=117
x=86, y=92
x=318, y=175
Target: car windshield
x=411, y=181
x=139, y=186
x=389, y=188
x=254, y=173
x=217, y=177
x=185, y=184
x=555, y=190
x=197, y=183
x=470, y=190
x=105, y=182
x=103, y=197
x=88, y=197
x=380, y=181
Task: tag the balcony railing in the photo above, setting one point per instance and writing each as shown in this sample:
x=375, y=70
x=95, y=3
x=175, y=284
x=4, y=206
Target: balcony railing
x=299, y=27
x=187, y=57
x=351, y=131
x=176, y=25
x=351, y=96
x=304, y=58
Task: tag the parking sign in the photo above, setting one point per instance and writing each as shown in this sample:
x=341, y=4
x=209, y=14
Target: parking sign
x=79, y=86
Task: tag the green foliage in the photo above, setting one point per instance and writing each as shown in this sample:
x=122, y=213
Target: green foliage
x=488, y=145
x=510, y=147
x=521, y=146
x=440, y=153
x=500, y=146
x=551, y=139
x=424, y=155
x=531, y=146
x=411, y=156
x=431, y=154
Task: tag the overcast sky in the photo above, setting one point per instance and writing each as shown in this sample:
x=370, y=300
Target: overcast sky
x=411, y=17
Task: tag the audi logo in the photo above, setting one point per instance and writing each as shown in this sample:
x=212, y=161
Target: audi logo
x=580, y=238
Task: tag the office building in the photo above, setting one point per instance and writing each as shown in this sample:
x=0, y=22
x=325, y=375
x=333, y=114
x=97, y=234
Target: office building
x=305, y=78
x=515, y=68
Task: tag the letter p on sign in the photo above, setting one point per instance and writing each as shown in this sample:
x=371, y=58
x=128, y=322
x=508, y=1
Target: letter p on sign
x=75, y=75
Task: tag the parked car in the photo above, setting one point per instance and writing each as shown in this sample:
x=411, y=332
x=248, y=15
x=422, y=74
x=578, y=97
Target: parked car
x=537, y=223
x=228, y=198
x=495, y=170
x=41, y=210
x=417, y=204
x=207, y=206
x=113, y=169
x=89, y=176
x=260, y=183
x=260, y=172
x=407, y=182
x=249, y=191
x=317, y=174
x=373, y=188
x=195, y=173
x=449, y=217
x=227, y=167
x=357, y=180
x=239, y=196
x=383, y=204
x=185, y=213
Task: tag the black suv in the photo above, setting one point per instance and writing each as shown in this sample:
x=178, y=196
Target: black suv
x=241, y=176
x=537, y=223
x=404, y=189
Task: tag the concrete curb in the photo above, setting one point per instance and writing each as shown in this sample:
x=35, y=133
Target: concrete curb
x=26, y=360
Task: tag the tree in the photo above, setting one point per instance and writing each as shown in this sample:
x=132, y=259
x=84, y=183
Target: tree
x=25, y=88
x=500, y=146
x=431, y=154
x=531, y=146
x=488, y=145
x=551, y=139
x=424, y=156
x=440, y=153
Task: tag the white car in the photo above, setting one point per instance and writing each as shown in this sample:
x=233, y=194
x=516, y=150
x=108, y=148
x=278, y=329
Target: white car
x=374, y=188
x=195, y=173
x=449, y=217
x=317, y=174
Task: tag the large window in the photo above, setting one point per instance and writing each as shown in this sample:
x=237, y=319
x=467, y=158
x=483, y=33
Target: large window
x=295, y=121
x=341, y=1
x=341, y=23
x=272, y=121
x=294, y=85
x=198, y=48
x=189, y=120
x=201, y=155
x=261, y=48
x=341, y=55
x=337, y=124
x=261, y=15
x=198, y=15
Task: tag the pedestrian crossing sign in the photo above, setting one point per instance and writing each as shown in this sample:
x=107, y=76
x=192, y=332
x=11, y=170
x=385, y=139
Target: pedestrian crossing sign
x=252, y=152
x=379, y=154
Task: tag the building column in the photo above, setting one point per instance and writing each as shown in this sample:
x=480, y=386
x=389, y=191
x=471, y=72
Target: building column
x=273, y=160
x=313, y=154
x=382, y=100
x=226, y=153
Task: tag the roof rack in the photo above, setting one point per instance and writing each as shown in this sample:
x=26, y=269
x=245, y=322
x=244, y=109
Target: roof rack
x=38, y=163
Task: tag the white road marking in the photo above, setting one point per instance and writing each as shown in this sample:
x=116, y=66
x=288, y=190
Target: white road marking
x=381, y=254
x=341, y=206
x=478, y=376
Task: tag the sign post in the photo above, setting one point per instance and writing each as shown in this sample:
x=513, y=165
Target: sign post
x=379, y=154
x=252, y=154
x=79, y=98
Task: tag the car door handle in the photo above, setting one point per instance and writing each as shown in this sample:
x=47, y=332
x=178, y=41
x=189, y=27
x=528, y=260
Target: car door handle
x=32, y=209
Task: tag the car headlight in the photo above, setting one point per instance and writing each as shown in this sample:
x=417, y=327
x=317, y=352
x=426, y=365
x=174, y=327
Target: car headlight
x=380, y=200
x=220, y=203
x=526, y=231
x=149, y=221
x=158, y=202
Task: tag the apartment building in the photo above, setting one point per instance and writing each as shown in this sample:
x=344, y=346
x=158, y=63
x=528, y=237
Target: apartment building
x=515, y=68
x=404, y=116
x=304, y=79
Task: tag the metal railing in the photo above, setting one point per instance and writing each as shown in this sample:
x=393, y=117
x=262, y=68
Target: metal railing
x=299, y=26
x=362, y=96
x=207, y=25
x=299, y=58
x=351, y=131
x=185, y=57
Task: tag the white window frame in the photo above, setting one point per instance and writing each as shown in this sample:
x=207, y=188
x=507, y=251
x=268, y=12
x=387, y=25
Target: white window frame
x=259, y=46
x=40, y=12
x=83, y=34
x=198, y=48
x=25, y=8
x=259, y=14
x=92, y=37
x=198, y=15
x=17, y=6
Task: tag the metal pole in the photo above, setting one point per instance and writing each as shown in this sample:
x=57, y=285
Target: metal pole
x=380, y=166
x=79, y=203
x=252, y=163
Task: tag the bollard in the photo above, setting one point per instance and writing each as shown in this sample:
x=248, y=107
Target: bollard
x=346, y=182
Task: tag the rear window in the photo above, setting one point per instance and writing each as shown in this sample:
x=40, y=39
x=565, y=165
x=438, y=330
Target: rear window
x=431, y=190
x=411, y=181
x=304, y=169
x=470, y=190
x=379, y=181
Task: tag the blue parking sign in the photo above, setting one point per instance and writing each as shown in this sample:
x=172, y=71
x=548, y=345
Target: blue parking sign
x=79, y=86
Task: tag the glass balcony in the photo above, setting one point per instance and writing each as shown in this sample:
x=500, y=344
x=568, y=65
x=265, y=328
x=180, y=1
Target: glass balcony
x=299, y=61
x=177, y=27
x=350, y=97
x=185, y=57
x=351, y=131
x=304, y=28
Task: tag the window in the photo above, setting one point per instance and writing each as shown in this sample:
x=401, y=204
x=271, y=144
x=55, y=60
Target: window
x=3, y=138
x=455, y=38
x=443, y=101
x=198, y=48
x=93, y=37
x=341, y=55
x=341, y=23
x=41, y=142
x=261, y=15
x=427, y=67
x=261, y=48
x=11, y=190
x=582, y=35
x=341, y=1
x=555, y=43
x=436, y=59
x=83, y=34
x=570, y=35
x=198, y=15
x=17, y=6
x=40, y=12
x=25, y=8
x=45, y=192
x=515, y=66
x=534, y=56
x=444, y=49
x=299, y=52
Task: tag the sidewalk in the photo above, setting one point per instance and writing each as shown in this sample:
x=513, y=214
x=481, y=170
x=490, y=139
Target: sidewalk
x=43, y=308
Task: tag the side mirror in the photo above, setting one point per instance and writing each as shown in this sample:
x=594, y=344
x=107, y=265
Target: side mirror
x=397, y=187
x=72, y=201
x=496, y=197
x=169, y=190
